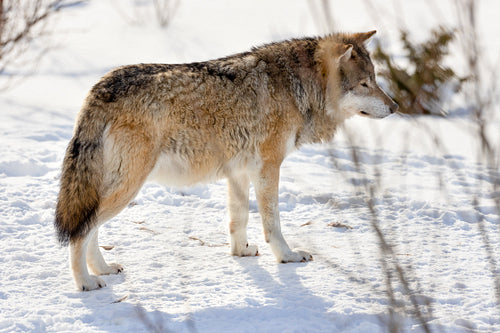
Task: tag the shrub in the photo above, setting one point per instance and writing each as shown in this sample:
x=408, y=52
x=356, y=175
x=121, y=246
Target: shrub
x=425, y=83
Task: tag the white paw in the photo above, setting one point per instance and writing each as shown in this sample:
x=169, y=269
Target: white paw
x=106, y=269
x=92, y=282
x=295, y=256
x=248, y=251
x=113, y=268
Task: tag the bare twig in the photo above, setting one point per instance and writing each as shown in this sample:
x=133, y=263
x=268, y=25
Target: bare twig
x=339, y=225
x=203, y=243
x=22, y=23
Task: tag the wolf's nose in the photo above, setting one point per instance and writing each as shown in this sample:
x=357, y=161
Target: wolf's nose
x=394, y=107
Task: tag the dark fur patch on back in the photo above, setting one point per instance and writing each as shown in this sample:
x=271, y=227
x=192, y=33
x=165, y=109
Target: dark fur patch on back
x=213, y=68
x=126, y=80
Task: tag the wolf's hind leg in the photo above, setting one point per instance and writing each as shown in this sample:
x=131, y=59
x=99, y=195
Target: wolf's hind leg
x=238, y=213
x=95, y=260
x=78, y=253
x=126, y=170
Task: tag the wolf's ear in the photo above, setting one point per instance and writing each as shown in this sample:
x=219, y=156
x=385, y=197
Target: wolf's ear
x=344, y=52
x=365, y=37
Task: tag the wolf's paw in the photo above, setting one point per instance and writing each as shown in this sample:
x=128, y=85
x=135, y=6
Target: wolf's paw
x=92, y=282
x=296, y=256
x=112, y=268
x=115, y=268
x=106, y=269
x=249, y=250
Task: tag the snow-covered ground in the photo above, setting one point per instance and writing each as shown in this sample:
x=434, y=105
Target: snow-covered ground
x=178, y=274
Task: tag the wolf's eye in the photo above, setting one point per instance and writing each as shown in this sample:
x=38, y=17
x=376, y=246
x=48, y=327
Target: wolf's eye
x=364, y=85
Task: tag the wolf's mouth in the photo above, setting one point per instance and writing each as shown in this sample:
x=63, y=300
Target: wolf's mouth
x=364, y=113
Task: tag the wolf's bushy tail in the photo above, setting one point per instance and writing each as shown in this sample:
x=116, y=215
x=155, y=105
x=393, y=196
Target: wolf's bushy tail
x=81, y=178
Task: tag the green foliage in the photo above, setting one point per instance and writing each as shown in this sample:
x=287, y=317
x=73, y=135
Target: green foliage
x=420, y=87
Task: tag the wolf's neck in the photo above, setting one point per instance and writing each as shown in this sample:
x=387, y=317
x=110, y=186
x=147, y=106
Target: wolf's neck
x=318, y=127
x=321, y=119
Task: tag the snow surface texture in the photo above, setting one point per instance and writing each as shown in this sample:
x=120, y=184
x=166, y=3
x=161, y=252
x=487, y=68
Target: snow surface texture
x=178, y=274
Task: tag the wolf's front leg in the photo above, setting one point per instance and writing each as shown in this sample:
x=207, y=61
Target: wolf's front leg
x=238, y=214
x=266, y=185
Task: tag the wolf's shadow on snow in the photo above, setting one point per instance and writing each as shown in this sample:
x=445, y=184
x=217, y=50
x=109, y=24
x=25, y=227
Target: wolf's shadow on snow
x=284, y=303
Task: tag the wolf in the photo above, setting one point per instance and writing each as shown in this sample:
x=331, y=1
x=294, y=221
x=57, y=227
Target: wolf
x=236, y=117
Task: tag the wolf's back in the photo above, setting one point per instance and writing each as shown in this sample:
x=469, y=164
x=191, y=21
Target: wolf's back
x=79, y=198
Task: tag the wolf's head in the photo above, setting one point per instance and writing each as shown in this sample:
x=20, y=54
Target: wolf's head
x=351, y=88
